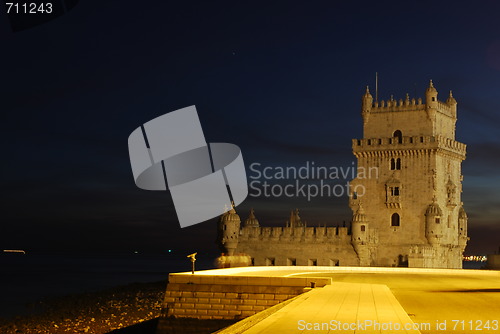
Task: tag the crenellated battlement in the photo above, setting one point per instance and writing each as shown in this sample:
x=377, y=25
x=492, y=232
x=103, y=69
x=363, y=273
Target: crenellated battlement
x=394, y=105
x=294, y=234
x=361, y=146
x=407, y=105
x=448, y=108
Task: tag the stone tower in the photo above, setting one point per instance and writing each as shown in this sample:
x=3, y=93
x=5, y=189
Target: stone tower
x=409, y=182
x=229, y=231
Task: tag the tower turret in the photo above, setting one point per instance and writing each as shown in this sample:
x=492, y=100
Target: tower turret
x=251, y=220
x=431, y=96
x=359, y=226
x=433, y=223
x=295, y=220
x=359, y=236
x=452, y=103
x=229, y=231
x=366, y=104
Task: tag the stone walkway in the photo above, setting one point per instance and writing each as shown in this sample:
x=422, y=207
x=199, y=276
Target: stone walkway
x=339, y=308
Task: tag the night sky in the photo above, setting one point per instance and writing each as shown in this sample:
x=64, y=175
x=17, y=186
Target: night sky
x=282, y=81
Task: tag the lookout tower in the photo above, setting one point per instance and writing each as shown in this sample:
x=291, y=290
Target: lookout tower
x=413, y=203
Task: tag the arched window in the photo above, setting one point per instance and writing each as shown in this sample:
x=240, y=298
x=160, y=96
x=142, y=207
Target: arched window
x=398, y=164
x=395, y=221
x=362, y=228
x=399, y=135
x=393, y=164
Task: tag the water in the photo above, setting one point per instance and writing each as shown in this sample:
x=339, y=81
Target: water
x=27, y=278
x=473, y=264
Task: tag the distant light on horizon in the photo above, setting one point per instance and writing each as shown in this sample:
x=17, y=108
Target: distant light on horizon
x=476, y=258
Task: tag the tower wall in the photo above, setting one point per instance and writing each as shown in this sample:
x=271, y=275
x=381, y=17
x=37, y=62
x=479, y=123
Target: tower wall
x=417, y=160
x=300, y=246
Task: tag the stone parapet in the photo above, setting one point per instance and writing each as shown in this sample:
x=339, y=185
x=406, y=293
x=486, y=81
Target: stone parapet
x=229, y=297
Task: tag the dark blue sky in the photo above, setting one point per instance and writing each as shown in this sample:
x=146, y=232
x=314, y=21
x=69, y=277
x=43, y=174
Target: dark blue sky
x=281, y=81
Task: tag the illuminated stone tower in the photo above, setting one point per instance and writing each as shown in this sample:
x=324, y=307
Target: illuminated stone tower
x=228, y=231
x=409, y=183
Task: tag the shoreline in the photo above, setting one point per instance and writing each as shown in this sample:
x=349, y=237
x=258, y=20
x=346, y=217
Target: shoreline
x=95, y=312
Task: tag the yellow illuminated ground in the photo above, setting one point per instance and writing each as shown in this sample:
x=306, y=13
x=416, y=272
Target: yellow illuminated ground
x=431, y=298
x=466, y=301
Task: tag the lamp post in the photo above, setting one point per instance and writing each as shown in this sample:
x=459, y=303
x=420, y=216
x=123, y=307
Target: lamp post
x=192, y=257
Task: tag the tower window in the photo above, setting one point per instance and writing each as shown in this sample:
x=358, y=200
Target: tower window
x=399, y=135
x=395, y=164
x=433, y=98
x=395, y=220
x=438, y=220
x=363, y=228
x=395, y=191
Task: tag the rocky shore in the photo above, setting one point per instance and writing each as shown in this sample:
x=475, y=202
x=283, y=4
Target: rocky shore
x=97, y=312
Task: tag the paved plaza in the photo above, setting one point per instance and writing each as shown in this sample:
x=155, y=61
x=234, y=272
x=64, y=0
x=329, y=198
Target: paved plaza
x=399, y=300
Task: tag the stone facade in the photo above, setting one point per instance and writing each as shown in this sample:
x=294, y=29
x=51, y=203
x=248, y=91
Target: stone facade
x=406, y=198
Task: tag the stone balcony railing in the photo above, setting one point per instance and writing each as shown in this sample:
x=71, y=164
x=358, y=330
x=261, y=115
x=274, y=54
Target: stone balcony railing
x=408, y=143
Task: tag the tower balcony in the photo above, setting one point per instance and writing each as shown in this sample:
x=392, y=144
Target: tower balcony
x=368, y=146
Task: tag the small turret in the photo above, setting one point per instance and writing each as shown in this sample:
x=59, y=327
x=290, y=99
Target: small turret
x=229, y=231
x=451, y=100
x=359, y=236
x=295, y=220
x=433, y=223
x=359, y=226
x=251, y=220
x=452, y=103
x=431, y=96
x=366, y=104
